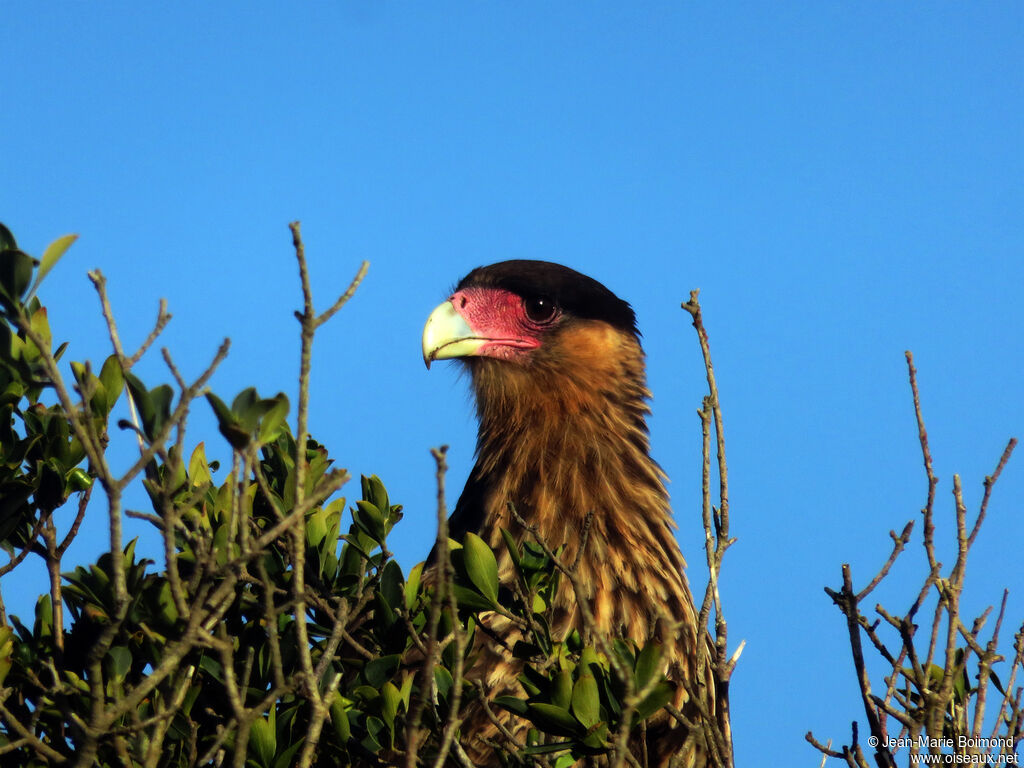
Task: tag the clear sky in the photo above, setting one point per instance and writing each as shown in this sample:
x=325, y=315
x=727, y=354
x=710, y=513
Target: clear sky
x=842, y=180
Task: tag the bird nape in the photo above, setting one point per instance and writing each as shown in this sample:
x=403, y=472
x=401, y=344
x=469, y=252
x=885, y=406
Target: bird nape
x=558, y=374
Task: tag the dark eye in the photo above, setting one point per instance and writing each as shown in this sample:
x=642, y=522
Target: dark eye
x=539, y=309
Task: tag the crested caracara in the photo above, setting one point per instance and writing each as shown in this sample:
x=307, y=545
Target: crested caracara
x=558, y=374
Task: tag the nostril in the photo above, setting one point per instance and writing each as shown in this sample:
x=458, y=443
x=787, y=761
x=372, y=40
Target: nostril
x=462, y=301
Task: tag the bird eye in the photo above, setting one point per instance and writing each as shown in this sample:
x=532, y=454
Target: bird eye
x=539, y=309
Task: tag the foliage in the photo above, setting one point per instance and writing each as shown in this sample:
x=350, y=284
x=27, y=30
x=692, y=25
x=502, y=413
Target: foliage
x=266, y=633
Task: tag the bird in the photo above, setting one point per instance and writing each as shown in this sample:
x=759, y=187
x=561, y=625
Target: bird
x=558, y=375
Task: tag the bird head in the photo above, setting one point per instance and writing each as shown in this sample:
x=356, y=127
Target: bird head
x=525, y=312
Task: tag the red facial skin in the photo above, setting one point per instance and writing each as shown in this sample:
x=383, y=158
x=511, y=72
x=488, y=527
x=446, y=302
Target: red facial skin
x=499, y=316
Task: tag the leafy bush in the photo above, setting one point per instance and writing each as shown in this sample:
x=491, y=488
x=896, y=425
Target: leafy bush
x=263, y=635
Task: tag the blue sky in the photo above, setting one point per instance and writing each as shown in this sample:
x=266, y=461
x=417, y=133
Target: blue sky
x=843, y=181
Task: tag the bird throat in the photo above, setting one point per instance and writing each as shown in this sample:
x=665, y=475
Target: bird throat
x=571, y=457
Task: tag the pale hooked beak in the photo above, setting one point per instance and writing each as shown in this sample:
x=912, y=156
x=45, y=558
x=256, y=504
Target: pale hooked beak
x=447, y=335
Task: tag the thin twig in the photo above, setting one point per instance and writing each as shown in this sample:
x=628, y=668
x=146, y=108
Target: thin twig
x=443, y=585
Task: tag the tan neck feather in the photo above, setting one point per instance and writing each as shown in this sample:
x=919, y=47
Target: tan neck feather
x=567, y=441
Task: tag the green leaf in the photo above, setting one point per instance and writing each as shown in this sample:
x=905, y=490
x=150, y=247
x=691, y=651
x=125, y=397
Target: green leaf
x=405, y=691
x=561, y=693
x=625, y=650
x=588, y=656
x=228, y=425
x=555, y=746
x=112, y=378
x=6, y=648
x=659, y=696
x=51, y=256
x=368, y=517
x=339, y=720
x=552, y=719
x=168, y=611
x=316, y=526
x=992, y=676
x=379, y=671
x=7, y=241
x=374, y=726
x=40, y=324
x=119, y=662
x=586, y=700
x=597, y=737
x=512, y=704
x=412, y=585
x=391, y=585
x=481, y=566
x=77, y=480
x=198, y=467
x=471, y=600
x=153, y=405
x=287, y=758
x=244, y=401
x=648, y=664
x=444, y=682
x=513, y=548
x=263, y=741
x=141, y=397
x=375, y=493
x=391, y=697
x=15, y=274
x=273, y=421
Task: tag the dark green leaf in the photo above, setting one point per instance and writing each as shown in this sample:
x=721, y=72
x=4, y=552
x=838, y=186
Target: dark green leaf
x=996, y=682
x=120, y=661
x=391, y=585
x=660, y=696
x=546, y=749
x=286, y=759
x=141, y=397
x=513, y=548
x=512, y=704
x=226, y=421
x=374, y=727
x=7, y=241
x=161, y=398
x=368, y=517
x=379, y=671
x=552, y=719
x=244, y=400
x=15, y=274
